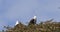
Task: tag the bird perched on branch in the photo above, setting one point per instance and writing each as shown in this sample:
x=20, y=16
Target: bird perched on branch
x=33, y=20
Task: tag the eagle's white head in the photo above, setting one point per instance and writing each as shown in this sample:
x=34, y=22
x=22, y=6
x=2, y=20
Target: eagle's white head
x=34, y=17
x=17, y=22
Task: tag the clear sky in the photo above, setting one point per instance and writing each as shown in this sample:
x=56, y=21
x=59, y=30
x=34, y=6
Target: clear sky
x=24, y=10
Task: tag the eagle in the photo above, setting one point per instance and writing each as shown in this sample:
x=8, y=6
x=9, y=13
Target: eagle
x=33, y=20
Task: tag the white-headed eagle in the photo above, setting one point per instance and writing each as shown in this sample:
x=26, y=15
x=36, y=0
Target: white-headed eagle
x=33, y=20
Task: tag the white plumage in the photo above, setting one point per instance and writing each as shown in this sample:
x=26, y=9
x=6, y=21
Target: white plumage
x=17, y=22
x=34, y=17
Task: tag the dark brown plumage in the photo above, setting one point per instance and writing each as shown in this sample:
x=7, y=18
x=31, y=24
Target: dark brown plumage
x=33, y=21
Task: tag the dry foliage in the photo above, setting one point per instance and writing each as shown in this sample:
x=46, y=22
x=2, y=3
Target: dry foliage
x=47, y=26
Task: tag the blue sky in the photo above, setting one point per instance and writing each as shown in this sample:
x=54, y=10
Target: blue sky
x=24, y=10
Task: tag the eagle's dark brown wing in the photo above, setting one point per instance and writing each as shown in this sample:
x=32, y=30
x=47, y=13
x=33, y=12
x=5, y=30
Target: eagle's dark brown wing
x=32, y=21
